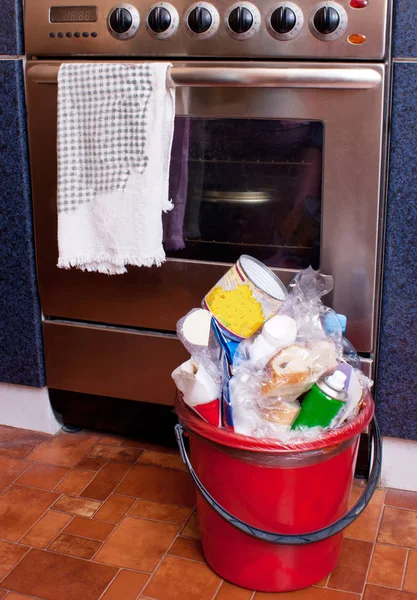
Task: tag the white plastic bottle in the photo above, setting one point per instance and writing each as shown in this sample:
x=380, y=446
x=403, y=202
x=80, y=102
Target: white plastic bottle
x=278, y=332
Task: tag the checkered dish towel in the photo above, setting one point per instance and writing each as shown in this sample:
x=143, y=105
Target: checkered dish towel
x=115, y=129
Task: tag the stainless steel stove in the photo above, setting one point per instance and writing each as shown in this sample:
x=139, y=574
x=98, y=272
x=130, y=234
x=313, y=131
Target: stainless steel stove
x=279, y=101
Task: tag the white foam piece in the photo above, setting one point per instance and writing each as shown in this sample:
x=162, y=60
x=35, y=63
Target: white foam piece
x=196, y=327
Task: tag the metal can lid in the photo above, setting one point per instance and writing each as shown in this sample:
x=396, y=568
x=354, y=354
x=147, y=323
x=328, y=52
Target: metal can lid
x=262, y=277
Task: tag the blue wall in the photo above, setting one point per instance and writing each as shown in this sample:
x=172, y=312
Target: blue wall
x=397, y=374
x=396, y=387
x=11, y=28
x=405, y=29
x=21, y=354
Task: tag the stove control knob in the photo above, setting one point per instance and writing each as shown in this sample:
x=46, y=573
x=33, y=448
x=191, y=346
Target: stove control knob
x=328, y=21
x=162, y=21
x=240, y=19
x=159, y=19
x=283, y=20
x=123, y=21
x=202, y=20
x=243, y=20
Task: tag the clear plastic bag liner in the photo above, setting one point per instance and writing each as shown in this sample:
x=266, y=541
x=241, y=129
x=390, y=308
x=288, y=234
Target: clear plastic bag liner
x=359, y=384
x=259, y=389
x=293, y=450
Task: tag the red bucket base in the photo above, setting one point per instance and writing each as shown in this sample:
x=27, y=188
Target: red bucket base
x=274, y=489
x=271, y=499
x=250, y=565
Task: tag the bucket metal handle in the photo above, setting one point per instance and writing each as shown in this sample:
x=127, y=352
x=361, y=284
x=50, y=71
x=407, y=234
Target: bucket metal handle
x=297, y=539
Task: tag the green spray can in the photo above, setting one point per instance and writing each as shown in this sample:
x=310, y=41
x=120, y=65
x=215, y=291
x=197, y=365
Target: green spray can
x=323, y=402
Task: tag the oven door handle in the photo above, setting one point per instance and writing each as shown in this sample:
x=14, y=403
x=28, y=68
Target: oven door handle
x=356, y=78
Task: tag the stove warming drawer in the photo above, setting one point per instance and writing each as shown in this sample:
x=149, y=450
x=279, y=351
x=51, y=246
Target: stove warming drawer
x=110, y=361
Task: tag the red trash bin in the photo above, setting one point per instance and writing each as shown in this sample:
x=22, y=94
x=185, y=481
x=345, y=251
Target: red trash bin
x=271, y=515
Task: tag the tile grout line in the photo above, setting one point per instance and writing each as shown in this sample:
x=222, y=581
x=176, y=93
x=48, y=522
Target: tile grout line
x=120, y=521
x=43, y=514
x=405, y=569
x=59, y=532
x=106, y=462
x=413, y=510
x=12, y=429
x=16, y=478
x=53, y=489
x=29, y=548
x=111, y=493
x=55, y=553
x=40, y=518
x=29, y=597
x=128, y=514
x=63, y=434
x=166, y=552
x=375, y=541
x=218, y=589
x=86, y=486
x=14, y=482
x=384, y=543
x=365, y=582
x=142, y=588
x=386, y=587
x=78, y=535
x=33, y=487
x=74, y=536
x=72, y=469
x=111, y=583
x=193, y=560
x=38, y=464
x=326, y=585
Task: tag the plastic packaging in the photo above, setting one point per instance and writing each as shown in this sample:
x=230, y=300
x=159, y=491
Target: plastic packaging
x=350, y=356
x=271, y=451
x=257, y=385
x=332, y=322
x=200, y=392
x=258, y=388
x=323, y=402
x=357, y=385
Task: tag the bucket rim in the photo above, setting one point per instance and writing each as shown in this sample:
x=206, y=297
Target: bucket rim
x=226, y=437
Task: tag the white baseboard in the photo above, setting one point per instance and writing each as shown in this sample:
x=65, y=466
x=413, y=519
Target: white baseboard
x=27, y=408
x=399, y=460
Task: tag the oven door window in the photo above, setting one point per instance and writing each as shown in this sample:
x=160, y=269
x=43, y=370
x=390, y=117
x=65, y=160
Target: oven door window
x=246, y=186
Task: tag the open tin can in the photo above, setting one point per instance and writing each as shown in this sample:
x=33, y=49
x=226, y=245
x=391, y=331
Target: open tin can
x=245, y=297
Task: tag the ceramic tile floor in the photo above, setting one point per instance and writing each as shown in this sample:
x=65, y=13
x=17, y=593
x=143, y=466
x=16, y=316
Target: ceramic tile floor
x=99, y=517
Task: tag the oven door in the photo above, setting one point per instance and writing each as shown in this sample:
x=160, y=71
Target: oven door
x=277, y=160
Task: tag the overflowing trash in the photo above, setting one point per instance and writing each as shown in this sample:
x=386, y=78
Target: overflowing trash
x=268, y=362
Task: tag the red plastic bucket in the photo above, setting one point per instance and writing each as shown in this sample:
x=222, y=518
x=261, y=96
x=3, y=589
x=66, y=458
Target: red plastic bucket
x=271, y=515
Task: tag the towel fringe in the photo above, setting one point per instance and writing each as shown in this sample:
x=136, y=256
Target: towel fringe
x=167, y=206
x=116, y=265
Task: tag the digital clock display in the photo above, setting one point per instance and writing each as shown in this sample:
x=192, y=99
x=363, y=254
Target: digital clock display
x=73, y=14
